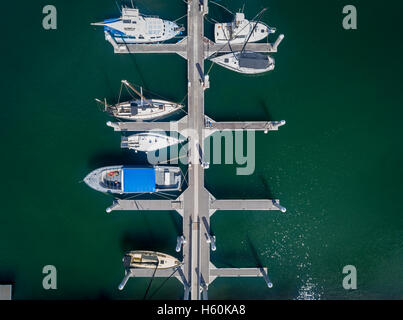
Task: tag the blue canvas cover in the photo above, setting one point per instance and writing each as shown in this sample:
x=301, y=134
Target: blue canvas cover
x=138, y=180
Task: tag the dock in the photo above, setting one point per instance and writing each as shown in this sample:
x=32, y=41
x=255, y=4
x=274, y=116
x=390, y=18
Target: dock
x=6, y=291
x=196, y=204
x=210, y=126
x=209, y=47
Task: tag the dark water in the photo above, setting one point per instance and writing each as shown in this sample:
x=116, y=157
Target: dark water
x=336, y=165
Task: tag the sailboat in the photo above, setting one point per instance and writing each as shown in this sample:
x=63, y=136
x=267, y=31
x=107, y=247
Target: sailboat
x=128, y=179
x=133, y=27
x=148, y=141
x=149, y=260
x=240, y=29
x=141, y=109
x=247, y=62
x=242, y=61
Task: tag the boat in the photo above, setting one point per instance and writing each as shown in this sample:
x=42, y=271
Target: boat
x=128, y=179
x=240, y=29
x=133, y=27
x=149, y=260
x=148, y=141
x=245, y=62
x=141, y=109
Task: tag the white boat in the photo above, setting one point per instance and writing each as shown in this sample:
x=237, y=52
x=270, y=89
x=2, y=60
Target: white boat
x=245, y=62
x=149, y=260
x=141, y=109
x=240, y=29
x=133, y=27
x=128, y=179
x=148, y=141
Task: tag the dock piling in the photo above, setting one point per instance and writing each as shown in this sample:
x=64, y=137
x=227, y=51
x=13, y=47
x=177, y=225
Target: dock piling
x=211, y=240
x=277, y=204
x=112, y=207
x=179, y=242
x=124, y=281
x=278, y=41
x=266, y=278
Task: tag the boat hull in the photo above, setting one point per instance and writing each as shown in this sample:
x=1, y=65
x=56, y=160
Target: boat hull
x=130, y=180
x=223, y=33
x=93, y=179
x=135, y=111
x=125, y=38
x=133, y=27
x=148, y=142
x=232, y=61
x=149, y=260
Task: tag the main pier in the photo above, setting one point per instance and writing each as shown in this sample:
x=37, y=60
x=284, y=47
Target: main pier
x=196, y=204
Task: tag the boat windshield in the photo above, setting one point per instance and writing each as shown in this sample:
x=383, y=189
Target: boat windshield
x=253, y=61
x=113, y=179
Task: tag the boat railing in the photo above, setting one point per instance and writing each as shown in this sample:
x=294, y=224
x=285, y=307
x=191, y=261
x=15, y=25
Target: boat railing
x=149, y=16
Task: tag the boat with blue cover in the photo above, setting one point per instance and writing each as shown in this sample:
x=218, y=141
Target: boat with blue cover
x=133, y=27
x=128, y=179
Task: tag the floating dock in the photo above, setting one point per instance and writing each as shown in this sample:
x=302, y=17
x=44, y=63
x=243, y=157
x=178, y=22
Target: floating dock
x=6, y=291
x=196, y=205
x=181, y=48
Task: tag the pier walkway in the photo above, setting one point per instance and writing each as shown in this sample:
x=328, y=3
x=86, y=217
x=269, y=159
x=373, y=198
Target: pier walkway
x=196, y=205
x=210, y=126
x=209, y=47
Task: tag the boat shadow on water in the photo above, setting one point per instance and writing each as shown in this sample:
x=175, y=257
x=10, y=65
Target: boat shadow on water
x=126, y=157
x=263, y=105
x=138, y=70
x=146, y=240
x=268, y=192
x=252, y=249
x=7, y=276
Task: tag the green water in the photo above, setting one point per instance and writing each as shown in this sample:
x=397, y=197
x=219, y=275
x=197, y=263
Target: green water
x=336, y=165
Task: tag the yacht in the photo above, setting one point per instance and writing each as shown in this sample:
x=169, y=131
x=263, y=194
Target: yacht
x=141, y=109
x=128, y=179
x=133, y=27
x=148, y=141
x=240, y=29
x=245, y=62
x=149, y=260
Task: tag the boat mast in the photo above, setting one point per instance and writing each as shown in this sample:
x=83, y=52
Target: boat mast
x=140, y=94
x=253, y=29
x=103, y=102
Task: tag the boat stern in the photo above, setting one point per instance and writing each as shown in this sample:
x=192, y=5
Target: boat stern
x=272, y=63
x=168, y=178
x=221, y=34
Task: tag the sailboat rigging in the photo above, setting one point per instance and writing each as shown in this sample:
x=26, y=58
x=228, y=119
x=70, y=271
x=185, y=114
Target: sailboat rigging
x=142, y=109
x=243, y=61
